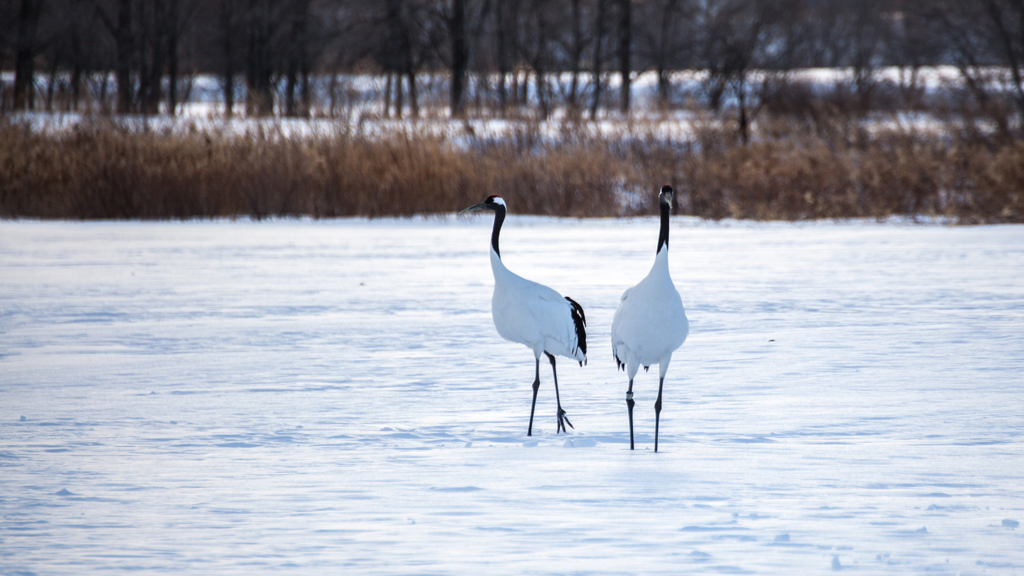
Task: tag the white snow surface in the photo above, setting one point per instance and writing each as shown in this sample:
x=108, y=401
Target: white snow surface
x=310, y=397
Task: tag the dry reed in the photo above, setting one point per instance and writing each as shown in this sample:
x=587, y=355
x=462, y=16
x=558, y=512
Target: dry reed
x=791, y=172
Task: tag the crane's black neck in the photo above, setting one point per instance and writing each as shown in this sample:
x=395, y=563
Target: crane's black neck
x=663, y=236
x=499, y=217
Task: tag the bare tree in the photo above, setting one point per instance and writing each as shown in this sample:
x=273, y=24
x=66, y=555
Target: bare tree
x=625, y=30
x=262, y=25
x=1006, y=21
x=910, y=46
x=395, y=50
x=866, y=36
x=662, y=42
x=280, y=44
x=409, y=25
x=971, y=32
x=478, y=23
x=536, y=45
x=180, y=17
x=738, y=33
x=506, y=16
x=575, y=50
x=598, y=58
x=68, y=45
x=8, y=9
x=229, y=24
x=25, y=52
x=571, y=38
x=160, y=26
x=118, y=21
x=297, y=72
x=400, y=37
x=459, y=55
x=151, y=54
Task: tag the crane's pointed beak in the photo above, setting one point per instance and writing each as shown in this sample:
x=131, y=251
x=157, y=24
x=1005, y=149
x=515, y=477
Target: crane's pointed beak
x=473, y=208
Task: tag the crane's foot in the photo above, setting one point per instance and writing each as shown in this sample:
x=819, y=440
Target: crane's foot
x=562, y=421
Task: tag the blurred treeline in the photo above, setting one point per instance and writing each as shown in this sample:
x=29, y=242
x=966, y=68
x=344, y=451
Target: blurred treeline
x=493, y=54
x=754, y=140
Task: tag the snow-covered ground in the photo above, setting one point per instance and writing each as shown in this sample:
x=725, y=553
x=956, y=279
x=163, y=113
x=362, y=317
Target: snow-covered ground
x=310, y=397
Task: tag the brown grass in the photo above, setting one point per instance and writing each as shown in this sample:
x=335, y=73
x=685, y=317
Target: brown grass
x=102, y=171
x=790, y=171
x=810, y=174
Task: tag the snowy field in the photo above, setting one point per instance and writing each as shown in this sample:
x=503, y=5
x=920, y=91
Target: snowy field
x=312, y=397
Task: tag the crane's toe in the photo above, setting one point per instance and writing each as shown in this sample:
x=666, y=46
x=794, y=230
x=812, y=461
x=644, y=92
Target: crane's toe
x=562, y=421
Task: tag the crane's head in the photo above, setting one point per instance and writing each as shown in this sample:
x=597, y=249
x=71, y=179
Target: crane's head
x=665, y=197
x=492, y=203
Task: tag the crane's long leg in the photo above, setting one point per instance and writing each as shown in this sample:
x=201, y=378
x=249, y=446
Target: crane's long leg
x=630, y=403
x=657, y=412
x=536, y=386
x=561, y=413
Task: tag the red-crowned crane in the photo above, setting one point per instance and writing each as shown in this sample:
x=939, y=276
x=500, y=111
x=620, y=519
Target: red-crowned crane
x=650, y=322
x=533, y=315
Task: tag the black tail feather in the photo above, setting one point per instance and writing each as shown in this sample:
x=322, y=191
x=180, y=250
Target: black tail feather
x=580, y=320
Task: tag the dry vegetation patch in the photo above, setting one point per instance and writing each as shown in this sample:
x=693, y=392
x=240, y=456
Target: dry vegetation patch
x=103, y=170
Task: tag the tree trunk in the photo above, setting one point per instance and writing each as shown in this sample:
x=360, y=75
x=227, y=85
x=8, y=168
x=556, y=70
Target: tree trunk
x=540, y=59
x=291, y=82
x=332, y=89
x=153, y=55
x=229, y=91
x=51, y=82
x=296, y=54
x=744, y=128
x=228, y=30
x=514, y=86
x=259, y=90
x=399, y=100
x=542, y=100
x=599, y=40
x=305, y=98
x=396, y=57
x=663, y=50
x=625, y=39
x=76, y=86
x=125, y=47
x=460, y=56
x=161, y=40
x=103, y=93
x=76, y=69
x=501, y=40
x=24, y=64
x=174, y=30
x=576, y=53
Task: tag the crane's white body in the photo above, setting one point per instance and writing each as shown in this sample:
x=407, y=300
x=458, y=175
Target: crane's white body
x=532, y=314
x=650, y=322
